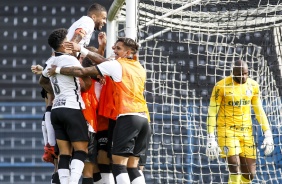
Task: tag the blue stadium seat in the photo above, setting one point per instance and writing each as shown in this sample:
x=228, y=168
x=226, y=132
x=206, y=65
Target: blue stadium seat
x=22, y=94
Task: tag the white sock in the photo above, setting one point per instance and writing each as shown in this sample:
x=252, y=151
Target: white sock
x=139, y=180
x=50, y=129
x=76, y=171
x=44, y=132
x=141, y=172
x=106, y=178
x=123, y=178
x=64, y=176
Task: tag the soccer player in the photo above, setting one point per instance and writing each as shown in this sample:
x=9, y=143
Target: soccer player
x=230, y=111
x=132, y=130
x=70, y=127
x=107, y=109
x=50, y=148
x=90, y=98
x=47, y=128
x=81, y=30
x=106, y=122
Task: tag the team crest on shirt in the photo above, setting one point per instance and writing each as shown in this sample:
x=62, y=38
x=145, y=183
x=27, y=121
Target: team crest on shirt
x=225, y=150
x=248, y=92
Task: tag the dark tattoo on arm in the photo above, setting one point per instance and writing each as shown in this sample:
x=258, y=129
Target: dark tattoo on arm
x=72, y=71
x=76, y=38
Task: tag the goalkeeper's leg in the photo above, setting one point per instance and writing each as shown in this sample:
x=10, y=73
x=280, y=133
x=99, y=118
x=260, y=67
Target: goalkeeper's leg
x=248, y=158
x=248, y=169
x=234, y=170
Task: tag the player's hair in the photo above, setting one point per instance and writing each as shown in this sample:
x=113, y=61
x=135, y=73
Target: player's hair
x=128, y=42
x=96, y=8
x=86, y=62
x=57, y=37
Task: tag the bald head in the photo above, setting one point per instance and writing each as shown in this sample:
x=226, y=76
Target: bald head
x=240, y=71
x=239, y=64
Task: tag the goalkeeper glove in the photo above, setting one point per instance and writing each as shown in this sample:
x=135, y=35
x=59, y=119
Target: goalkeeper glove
x=212, y=150
x=267, y=143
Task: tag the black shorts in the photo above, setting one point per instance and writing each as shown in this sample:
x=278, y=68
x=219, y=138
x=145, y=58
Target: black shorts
x=69, y=124
x=112, y=124
x=102, y=140
x=143, y=158
x=92, y=148
x=131, y=136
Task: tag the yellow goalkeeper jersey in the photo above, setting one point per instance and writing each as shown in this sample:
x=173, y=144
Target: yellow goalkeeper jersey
x=231, y=103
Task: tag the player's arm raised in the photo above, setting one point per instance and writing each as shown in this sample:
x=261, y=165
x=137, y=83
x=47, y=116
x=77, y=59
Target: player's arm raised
x=102, y=40
x=78, y=35
x=95, y=57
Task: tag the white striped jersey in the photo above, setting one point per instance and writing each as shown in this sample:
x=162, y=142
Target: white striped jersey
x=87, y=24
x=66, y=88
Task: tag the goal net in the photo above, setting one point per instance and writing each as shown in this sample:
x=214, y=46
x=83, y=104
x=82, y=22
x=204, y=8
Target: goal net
x=186, y=46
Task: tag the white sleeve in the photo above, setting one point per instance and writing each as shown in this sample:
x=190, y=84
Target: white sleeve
x=44, y=72
x=86, y=24
x=111, y=68
x=71, y=61
x=48, y=64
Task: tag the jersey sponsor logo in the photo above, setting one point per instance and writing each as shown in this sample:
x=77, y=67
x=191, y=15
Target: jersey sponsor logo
x=128, y=149
x=239, y=103
x=59, y=102
x=103, y=140
x=234, y=127
x=248, y=92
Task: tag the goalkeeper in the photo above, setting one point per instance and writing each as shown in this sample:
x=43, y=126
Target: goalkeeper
x=230, y=111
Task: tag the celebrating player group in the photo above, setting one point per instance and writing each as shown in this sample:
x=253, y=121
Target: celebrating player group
x=98, y=120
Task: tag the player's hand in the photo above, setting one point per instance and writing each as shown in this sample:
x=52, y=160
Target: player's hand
x=212, y=150
x=102, y=38
x=52, y=70
x=36, y=69
x=72, y=46
x=267, y=143
x=102, y=80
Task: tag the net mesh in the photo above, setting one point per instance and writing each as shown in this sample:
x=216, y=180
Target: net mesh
x=186, y=47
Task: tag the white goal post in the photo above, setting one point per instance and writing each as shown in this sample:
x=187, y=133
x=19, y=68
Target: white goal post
x=186, y=46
